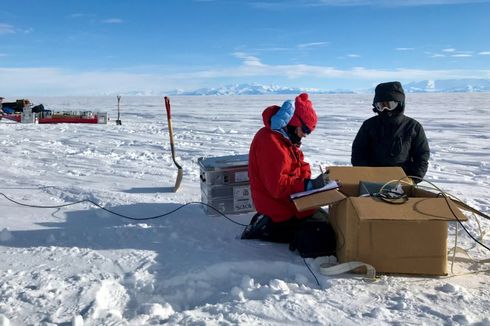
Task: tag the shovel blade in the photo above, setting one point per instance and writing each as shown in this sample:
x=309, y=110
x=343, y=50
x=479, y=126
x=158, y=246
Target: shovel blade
x=180, y=175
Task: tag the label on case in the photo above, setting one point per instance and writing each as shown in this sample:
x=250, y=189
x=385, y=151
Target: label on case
x=242, y=200
x=241, y=176
x=242, y=205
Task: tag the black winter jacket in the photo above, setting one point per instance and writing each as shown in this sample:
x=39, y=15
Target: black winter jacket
x=397, y=141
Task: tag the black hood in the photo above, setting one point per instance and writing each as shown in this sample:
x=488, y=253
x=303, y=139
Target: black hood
x=391, y=91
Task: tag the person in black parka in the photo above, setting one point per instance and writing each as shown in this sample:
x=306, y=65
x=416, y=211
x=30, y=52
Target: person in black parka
x=390, y=138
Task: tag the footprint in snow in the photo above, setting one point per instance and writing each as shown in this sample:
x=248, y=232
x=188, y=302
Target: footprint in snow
x=446, y=288
x=219, y=130
x=376, y=313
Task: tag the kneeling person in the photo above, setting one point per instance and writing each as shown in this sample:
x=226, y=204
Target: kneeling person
x=277, y=169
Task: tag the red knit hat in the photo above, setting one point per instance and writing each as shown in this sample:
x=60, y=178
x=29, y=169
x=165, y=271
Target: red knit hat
x=304, y=113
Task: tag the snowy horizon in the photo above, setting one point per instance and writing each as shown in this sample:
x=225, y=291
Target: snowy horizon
x=424, y=86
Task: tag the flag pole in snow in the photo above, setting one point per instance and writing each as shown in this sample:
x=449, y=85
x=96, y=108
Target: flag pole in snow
x=118, y=121
x=180, y=172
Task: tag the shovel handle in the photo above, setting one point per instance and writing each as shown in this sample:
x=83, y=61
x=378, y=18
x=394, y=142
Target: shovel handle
x=169, y=119
x=180, y=172
x=171, y=131
x=167, y=106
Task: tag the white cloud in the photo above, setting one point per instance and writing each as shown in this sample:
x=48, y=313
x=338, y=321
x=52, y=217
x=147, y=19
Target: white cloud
x=112, y=21
x=248, y=60
x=53, y=81
x=7, y=29
x=352, y=55
x=404, y=49
x=80, y=15
x=484, y=53
x=312, y=44
x=451, y=52
x=357, y=73
x=272, y=49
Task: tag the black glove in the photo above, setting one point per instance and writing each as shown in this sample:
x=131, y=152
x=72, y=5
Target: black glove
x=316, y=183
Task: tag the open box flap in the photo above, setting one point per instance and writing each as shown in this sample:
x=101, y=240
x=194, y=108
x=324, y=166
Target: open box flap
x=350, y=176
x=415, y=209
x=318, y=199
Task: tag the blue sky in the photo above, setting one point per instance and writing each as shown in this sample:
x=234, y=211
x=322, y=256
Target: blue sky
x=62, y=47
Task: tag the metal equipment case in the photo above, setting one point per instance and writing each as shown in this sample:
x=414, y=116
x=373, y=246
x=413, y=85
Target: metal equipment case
x=224, y=184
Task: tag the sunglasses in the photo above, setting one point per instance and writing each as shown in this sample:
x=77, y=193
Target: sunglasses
x=386, y=105
x=304, y=127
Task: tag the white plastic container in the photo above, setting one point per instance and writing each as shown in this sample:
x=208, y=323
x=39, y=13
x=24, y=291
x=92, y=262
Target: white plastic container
x=102, y=117
x=27, y=116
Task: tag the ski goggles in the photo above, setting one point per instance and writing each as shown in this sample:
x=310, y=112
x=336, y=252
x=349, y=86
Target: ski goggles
x=386, y=105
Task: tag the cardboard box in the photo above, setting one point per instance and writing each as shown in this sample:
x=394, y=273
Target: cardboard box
x=409, y=238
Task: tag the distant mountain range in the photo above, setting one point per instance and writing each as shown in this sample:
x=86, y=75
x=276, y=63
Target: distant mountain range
x=425, y=86
x=258, y=89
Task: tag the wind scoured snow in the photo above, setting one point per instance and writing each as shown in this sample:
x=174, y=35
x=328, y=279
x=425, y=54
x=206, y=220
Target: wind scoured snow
x=81, y=265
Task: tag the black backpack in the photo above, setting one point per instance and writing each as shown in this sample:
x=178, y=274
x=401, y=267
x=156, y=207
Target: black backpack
x=314, y=238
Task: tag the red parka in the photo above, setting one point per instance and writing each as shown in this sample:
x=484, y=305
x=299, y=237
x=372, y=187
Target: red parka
x=276, y=169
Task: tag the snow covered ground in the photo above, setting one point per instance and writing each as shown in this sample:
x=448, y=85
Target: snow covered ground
x=81, y=265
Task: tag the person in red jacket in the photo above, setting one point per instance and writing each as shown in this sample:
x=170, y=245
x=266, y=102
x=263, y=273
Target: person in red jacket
x=276, y=169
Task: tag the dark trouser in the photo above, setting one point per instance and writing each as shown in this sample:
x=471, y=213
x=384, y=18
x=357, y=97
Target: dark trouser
x=261, y=227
